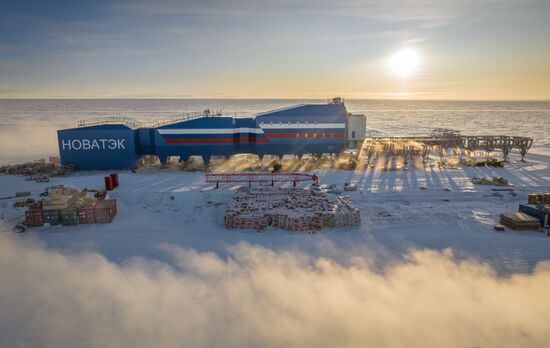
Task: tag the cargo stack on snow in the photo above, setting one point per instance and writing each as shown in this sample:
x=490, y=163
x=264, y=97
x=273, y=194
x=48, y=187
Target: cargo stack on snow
x=531, y=216
x=519, y=221
x=68, y=206
x=292, y=209
x=538, y=206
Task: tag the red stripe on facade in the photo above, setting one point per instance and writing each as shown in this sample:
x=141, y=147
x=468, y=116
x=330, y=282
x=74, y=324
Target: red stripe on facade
x=306, y=135
x=214, y=140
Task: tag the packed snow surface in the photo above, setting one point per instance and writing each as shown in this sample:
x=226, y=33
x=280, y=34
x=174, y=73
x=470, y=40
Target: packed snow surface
x=424, y=268
x=430, y=207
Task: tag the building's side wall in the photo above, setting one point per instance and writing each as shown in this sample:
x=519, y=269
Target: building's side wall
x=206, y=136
x=356, y=130
x=297, y=130
x=304, y=129
x=99, y=147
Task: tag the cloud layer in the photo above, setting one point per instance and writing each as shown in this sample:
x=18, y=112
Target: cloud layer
x=258, y=297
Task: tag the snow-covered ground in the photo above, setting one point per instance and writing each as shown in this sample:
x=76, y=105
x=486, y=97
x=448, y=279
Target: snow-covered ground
x=161, y=206
x=425, y=268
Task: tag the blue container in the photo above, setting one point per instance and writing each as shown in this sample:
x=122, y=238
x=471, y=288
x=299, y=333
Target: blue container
x=543, y=216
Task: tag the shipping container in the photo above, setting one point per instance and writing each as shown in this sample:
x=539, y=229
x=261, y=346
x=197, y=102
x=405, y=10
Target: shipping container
x=105, y=211
x=34, y=217
x=52, y=216
x=85, y=215
x=539, y=213
x=69, y=217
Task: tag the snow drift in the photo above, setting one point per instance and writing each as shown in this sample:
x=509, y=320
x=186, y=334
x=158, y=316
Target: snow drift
x=259, y=297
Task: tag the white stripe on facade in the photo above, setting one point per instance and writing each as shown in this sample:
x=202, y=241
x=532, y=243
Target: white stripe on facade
x=282, y=125
x=209, y=130
x=265, y=125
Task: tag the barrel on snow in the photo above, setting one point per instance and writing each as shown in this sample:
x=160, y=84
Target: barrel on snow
x=108, y=183
x=114, y=179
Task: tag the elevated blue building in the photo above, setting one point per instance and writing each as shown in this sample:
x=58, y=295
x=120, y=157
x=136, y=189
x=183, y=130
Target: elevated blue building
x=118, y=143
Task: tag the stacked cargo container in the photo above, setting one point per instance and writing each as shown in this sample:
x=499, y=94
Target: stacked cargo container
x=78, y=208
x=69, y=216
x=538, y=206
x=105, y=211
x=34, y=216
x=86, y=214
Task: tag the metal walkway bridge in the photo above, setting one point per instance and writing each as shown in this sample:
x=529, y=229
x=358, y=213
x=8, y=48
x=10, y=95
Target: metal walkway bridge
x=447, y=138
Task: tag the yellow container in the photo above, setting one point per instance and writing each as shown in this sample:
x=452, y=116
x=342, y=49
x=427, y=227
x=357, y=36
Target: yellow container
x=546, y=198
x=532, y=198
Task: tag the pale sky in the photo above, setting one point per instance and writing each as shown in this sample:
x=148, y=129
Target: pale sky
x=496, y=49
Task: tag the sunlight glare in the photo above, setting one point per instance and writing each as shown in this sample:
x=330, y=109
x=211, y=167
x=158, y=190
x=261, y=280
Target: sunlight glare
x=404, y=62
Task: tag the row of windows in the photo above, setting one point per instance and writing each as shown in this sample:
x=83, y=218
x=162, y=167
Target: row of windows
x=314, y=135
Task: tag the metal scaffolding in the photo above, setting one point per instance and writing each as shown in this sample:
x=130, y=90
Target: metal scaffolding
x=448, y=138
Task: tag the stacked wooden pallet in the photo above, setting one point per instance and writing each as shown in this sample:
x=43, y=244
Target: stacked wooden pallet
x=519, y=221
x=291, y=209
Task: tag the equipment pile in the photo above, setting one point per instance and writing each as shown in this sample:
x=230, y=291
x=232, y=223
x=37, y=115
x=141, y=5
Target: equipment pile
x=292, y=209
x=482, y=162
x=38, y=170
x=496, y=180
x=531, y=216
x=68, y=206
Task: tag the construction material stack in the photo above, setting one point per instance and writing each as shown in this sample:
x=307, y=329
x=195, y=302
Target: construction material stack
x=519, y=221
x=292, y=209
x=531, y=216
x=69, y=206
x=538, y=206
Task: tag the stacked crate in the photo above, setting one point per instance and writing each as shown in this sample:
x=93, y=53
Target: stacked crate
x=105, y=211
x=34, y=216
x=67, y=206
x=69, y=216
x=292, y=209
x=86, y=214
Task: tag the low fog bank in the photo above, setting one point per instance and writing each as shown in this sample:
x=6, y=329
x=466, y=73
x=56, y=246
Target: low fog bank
x=259, y=297
x=27, y=142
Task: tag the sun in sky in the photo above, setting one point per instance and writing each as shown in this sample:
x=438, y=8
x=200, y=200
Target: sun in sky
x=405, y=62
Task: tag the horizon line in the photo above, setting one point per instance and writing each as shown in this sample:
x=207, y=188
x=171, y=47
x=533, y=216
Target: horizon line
x=239, y=98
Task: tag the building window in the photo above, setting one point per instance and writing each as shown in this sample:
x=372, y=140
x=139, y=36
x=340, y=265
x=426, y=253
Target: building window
x=305, y=135
x=297, y=135
x=353, y=134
